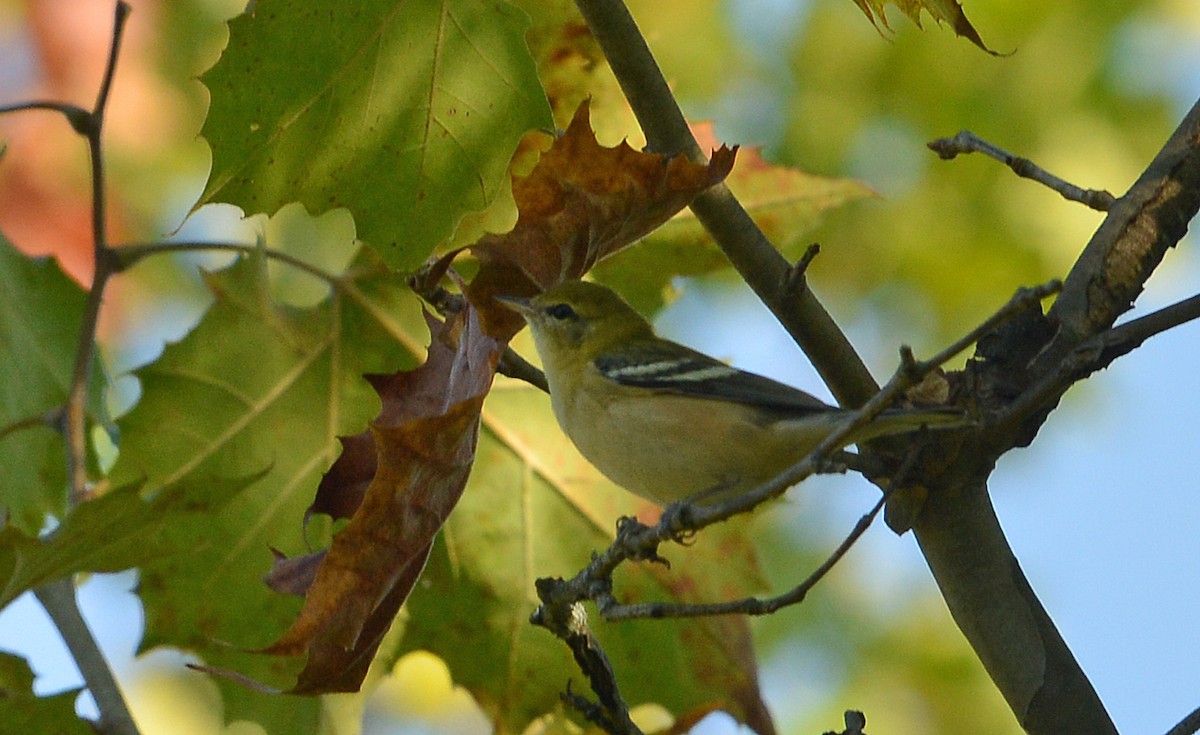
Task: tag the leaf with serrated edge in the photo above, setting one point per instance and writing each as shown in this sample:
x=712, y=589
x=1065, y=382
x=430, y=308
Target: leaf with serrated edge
x=943, y=11
x=581, y=203
x=406, y=113
x=256, y=387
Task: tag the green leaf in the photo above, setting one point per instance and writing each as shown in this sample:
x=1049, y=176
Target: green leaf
x=40, y=318
x=113, y=532
x=943, y=11
x=405, y=113
x=21, y=711
x=257, y=387
x=535, y=508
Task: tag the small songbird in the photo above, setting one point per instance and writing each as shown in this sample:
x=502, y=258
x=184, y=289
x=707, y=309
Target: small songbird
x=667, y=422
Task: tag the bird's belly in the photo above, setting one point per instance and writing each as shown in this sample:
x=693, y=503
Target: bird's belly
x=668, y=456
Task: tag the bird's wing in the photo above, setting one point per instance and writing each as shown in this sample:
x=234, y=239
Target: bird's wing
x=673, y=368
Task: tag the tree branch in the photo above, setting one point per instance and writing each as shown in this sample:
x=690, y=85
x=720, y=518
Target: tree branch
x=1092, y=355
x=967, y=142
x=127, y=256
x=78, y=117
x=58, y=598
x=612, y=610
x=1018, y=379
x=565, y=618
x=91, y=128
x=1188, y=725
x=1001, y=617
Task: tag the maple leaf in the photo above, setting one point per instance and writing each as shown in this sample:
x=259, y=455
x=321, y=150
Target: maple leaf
x=406, y=114
x=256, y=386
x=943, y=11
x=581, y=203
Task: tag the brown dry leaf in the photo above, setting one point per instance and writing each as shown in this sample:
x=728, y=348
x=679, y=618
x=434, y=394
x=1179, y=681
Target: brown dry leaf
x=581, y=202
x=426, y=436
x=943, y=11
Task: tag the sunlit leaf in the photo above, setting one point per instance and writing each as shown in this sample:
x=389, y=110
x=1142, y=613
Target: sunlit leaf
x=405, y=113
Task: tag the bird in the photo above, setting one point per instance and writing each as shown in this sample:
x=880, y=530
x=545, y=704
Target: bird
x=667, y=422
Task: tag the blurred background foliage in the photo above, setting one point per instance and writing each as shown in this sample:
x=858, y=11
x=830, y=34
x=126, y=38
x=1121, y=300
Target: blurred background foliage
x=1087, y=90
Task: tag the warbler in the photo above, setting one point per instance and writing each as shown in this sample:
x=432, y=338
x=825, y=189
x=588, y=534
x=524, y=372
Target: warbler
x=667, y=422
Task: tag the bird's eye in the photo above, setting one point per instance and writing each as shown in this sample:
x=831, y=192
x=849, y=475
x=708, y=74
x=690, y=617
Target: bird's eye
x=561, y=312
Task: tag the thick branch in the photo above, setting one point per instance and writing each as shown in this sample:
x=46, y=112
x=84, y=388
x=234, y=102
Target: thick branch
x=748, y=249
x=1001, y=617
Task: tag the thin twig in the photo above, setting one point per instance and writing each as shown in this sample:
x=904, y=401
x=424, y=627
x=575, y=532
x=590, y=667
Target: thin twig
x=514, y=366
x=612, y=610
x=967, y=142
x=127, y=256
x=76, y=423
x=78, y=117
x=51, y=419
x=59, y=597
x=796, y=277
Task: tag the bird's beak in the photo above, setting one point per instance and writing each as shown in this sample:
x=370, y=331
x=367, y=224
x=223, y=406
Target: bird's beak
x=520, y=304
